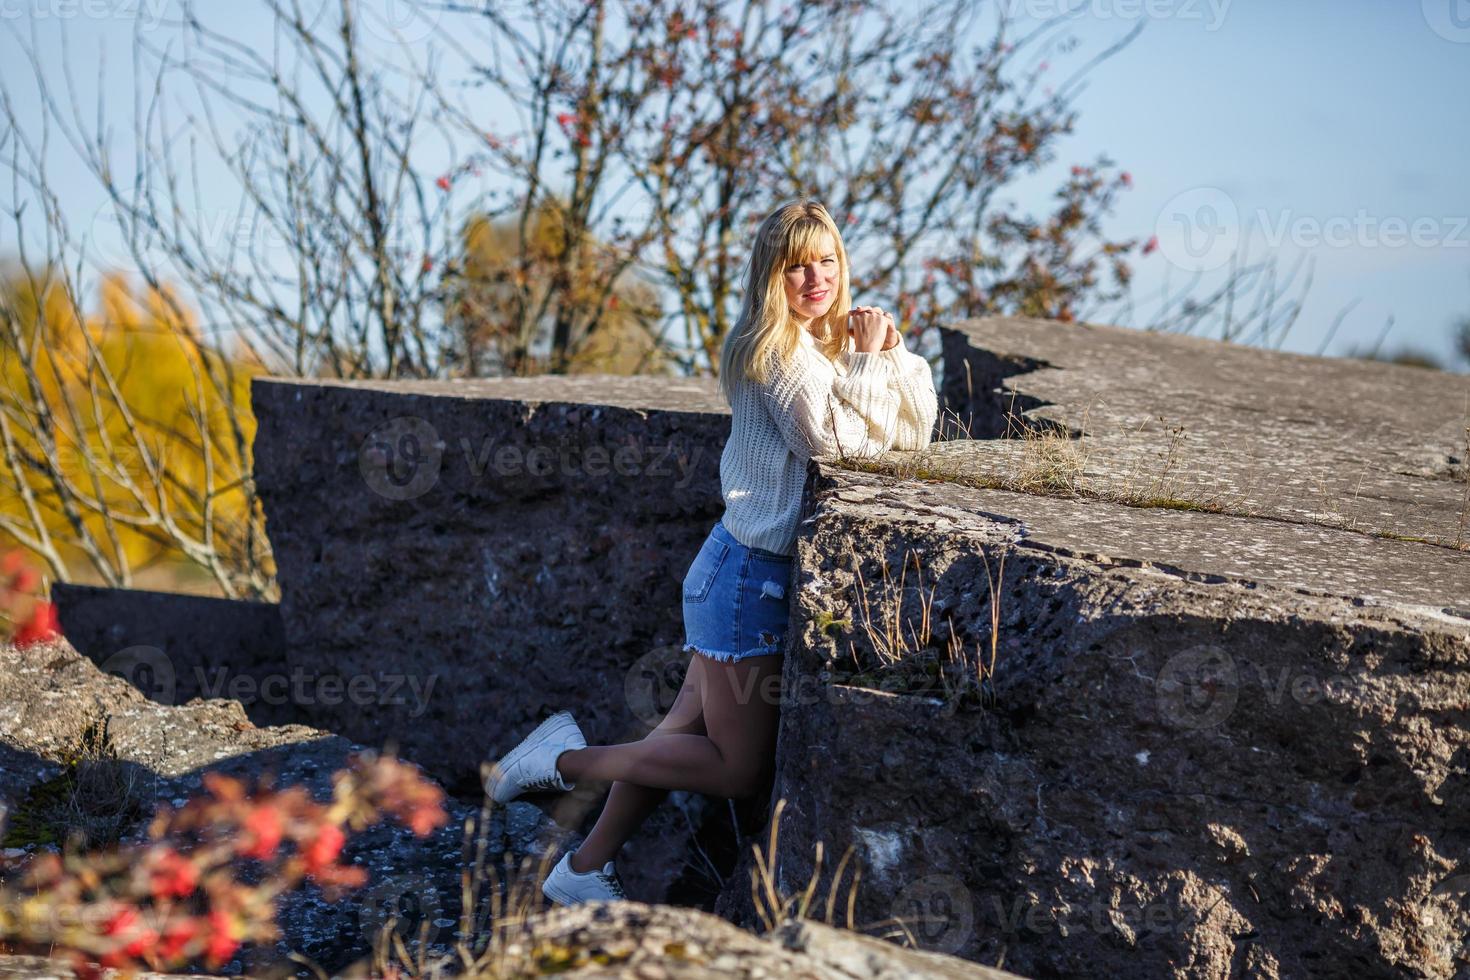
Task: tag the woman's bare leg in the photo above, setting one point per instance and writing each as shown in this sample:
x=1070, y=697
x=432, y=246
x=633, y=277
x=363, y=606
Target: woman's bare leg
x=742, y=714
x=742, y=706
x=629, y=804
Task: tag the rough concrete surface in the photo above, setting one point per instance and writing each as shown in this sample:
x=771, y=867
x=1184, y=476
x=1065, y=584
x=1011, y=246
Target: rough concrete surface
x=457, y=542
x=659, y=941
x=1178, y=775
x=1302, y=555
x=1364, y=444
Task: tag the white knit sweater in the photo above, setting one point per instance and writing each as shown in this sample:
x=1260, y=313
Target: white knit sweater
x=860, y=405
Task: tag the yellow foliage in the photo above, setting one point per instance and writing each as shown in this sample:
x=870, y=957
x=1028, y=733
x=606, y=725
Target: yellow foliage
x=609, y=338
x=141, y=434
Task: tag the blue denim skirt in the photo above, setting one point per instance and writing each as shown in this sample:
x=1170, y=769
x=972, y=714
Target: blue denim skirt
x=735, y=602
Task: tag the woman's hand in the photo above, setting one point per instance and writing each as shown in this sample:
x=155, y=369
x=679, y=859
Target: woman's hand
x=893, y=339
x=872, y=329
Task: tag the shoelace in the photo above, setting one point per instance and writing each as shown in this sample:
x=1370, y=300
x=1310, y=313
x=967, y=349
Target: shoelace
x=544, y=782
x=613, y=885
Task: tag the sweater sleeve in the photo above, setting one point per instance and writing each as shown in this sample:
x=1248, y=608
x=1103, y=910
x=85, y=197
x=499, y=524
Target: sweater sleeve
x=821, y=414
x=918, y=402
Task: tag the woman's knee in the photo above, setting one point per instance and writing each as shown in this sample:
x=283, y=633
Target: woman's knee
x=749, y=762
x=746, y=777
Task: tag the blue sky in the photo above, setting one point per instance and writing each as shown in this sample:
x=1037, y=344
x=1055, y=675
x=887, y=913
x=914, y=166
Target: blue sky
x=1332, y=121
x=1303, y=113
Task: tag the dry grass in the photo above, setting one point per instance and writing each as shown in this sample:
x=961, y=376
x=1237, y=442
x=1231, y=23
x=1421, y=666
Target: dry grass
x=502, y=909
x=1049, y=462
x=774, y=907
x=909, y=658
x=1462, y=543
x=91, y=803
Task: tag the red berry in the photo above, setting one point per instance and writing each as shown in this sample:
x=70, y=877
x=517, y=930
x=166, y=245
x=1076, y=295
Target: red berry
x=41, y=626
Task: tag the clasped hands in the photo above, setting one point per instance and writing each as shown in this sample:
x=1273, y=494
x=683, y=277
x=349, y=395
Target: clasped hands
x=872, y=329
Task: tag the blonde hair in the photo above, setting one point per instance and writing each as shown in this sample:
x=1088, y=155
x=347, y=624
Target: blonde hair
x=790, y=235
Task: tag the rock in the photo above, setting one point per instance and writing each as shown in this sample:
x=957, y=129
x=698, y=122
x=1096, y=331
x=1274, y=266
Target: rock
x=631, y=939
x=1177, y=768
x=42, y=968
x=475, y=556
x=1367, y=445
x=174, y=647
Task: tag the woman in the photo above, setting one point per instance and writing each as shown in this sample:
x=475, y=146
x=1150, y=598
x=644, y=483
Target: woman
x=805, y=375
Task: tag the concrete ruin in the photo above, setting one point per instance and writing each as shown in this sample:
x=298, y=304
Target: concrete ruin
x=1210, y=717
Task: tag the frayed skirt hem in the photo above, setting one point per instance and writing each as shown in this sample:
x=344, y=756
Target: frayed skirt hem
x=727, y=656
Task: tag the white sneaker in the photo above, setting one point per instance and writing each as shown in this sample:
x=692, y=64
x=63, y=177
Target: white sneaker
x=531, y=765
x=567, y=887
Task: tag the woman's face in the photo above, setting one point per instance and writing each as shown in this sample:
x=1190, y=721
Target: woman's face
x=812, y=286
